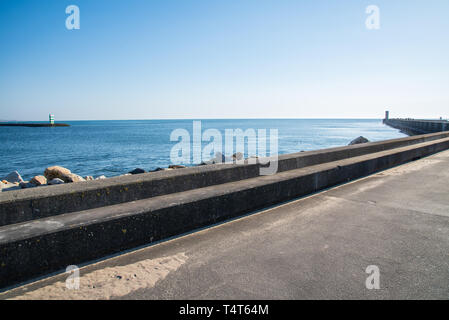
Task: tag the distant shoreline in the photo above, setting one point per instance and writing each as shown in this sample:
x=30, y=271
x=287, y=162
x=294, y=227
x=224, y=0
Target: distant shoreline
x=34, y=125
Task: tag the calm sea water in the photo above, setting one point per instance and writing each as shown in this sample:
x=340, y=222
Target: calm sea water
x=112, y=148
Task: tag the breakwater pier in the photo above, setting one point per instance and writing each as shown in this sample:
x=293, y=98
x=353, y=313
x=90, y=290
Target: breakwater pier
x=51, y=123
x=417, y=126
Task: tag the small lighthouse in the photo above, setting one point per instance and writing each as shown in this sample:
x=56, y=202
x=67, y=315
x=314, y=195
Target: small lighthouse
x=51, y=119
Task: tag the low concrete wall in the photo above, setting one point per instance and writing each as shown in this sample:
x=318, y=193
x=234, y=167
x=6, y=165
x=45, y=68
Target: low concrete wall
x=29, y=204
x=415, y=126
x=36, y=248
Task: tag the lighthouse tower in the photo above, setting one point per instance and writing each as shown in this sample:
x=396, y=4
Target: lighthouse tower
x=51, y=118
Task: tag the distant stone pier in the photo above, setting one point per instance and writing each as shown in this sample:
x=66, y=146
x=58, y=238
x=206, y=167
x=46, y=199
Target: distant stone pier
x=50, y=123
x=417, y=126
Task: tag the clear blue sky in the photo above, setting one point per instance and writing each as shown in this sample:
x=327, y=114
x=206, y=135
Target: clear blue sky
x=223, y=59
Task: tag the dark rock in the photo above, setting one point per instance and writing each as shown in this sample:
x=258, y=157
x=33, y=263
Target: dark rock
x=27, y=185
x=176, y=166
x=161, y=169
x=13, y=177
x=358, y=140
x=137, y=171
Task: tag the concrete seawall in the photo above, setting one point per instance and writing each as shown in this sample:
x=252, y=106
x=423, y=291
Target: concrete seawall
x=34, y=248
x=30, y=204
x=416, y=126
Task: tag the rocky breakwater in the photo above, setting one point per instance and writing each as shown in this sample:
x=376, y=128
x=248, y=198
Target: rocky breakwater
x=57, y=175
x=52, y=176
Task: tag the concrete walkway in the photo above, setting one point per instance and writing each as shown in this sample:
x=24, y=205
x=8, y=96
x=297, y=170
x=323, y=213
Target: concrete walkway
x=313, y=248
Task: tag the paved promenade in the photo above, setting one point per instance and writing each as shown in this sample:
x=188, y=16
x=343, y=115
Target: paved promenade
x=313, y=248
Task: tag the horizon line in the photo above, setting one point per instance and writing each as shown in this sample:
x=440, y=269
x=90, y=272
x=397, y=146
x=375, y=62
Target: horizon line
x=183, y=119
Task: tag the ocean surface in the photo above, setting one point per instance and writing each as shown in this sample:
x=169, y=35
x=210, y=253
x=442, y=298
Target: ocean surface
x=113, y=148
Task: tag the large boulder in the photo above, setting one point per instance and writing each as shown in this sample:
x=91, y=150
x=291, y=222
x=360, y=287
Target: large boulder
x=13, y=177
x=56, y=172
x=358, y=140
x=39, y=180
